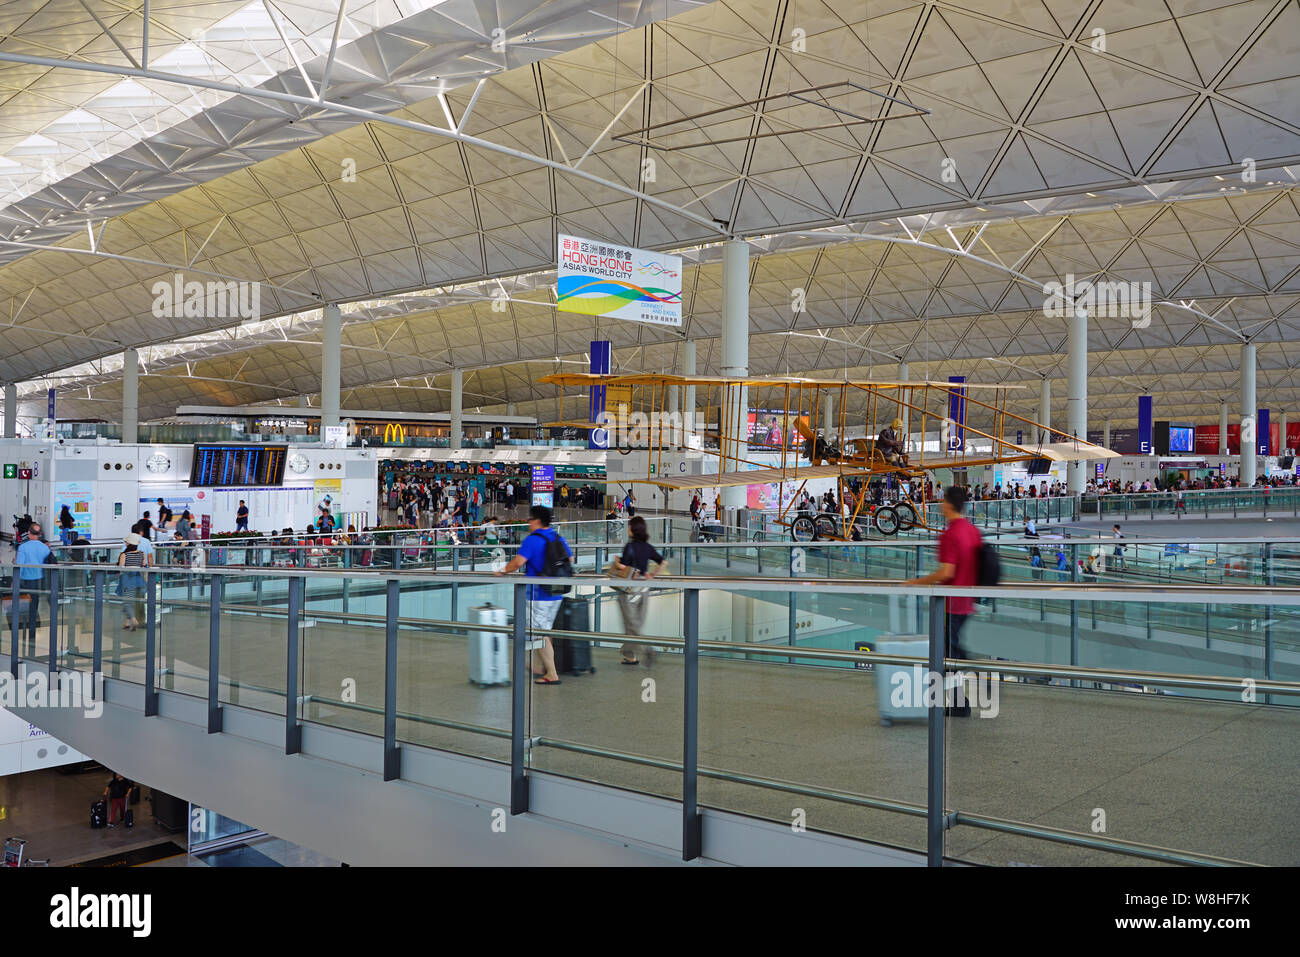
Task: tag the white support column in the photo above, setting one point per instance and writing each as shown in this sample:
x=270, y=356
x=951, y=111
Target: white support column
x=735, y=358
x=1281, y=435
x=130, y=397
x=304, y=402
x=457, y=409
x=1045, y=409
x=11, y=410
x=510, y=408
x=688, y=393
x=828, y=415
x=1105, y=441
x=1077, y=393
x=1249, y=420
x=1223, y=427
x=331, y=358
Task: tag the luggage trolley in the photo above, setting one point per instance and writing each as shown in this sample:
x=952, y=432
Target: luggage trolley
x=15, y=848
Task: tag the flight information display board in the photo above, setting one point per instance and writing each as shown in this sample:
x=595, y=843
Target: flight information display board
x=221, y=466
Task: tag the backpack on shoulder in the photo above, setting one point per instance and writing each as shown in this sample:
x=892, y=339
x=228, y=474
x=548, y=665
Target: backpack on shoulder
x=556, y=564
x=988, y=567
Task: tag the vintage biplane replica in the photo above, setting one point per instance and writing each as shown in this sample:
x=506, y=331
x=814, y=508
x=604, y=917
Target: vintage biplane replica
x=873, y=472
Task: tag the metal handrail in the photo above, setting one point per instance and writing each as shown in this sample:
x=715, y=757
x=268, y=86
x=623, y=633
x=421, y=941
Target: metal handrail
x=1286, y=595
x=1075, y=672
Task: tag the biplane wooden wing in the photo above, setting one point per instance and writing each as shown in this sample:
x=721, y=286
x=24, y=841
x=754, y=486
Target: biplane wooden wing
x=752, y=477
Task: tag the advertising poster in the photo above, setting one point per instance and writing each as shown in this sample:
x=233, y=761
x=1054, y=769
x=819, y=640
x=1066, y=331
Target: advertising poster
x=599, y=279
x=331, y=488
x=80, y=499
x=771, y=496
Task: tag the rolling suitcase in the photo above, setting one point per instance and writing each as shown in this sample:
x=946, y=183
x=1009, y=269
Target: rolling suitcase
x=899, y=699
x=129, y=818
x=573, y=657
x=98, y=815
x=489, y=662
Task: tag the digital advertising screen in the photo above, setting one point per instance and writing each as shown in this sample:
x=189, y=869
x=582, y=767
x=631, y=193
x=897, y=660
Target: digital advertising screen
x=225, y=466
x=773, y=429
x=1182, y=438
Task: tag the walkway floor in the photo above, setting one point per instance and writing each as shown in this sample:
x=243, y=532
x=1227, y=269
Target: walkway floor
x=1208, y=776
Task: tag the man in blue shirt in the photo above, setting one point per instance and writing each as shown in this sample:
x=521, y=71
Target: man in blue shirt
x=543, y=607
x=33, y=553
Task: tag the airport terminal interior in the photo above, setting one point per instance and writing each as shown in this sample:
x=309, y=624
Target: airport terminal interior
x=690, y=433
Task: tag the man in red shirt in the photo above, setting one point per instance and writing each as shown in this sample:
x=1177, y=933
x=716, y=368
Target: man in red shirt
x=958, y=565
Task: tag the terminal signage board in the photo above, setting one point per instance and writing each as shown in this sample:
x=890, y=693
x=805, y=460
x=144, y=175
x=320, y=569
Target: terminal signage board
x=24, y=474
x=602, y=279
x=11, y=471
x=543, y=485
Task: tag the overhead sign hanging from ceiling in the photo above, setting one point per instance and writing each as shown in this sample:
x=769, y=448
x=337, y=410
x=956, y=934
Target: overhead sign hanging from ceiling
x=598, y=279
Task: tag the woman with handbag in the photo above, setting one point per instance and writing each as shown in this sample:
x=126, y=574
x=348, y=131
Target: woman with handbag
x=635, y=562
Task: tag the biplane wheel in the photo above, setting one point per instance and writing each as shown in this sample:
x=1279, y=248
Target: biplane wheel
x=825, y=527
x=886, y=520
x=803, y=529
x=906, y=516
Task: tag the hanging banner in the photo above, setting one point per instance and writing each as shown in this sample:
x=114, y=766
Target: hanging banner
x=957, y=413
x=1262, y=431
x=597, y=279
x=1146, y=426
x=602, y=353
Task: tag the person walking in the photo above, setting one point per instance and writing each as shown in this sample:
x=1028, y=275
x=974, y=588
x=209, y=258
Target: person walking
x=241, y=517
x=959, y=547
x=116, y=793
x=66, y=523
x=130, y=584
x=543, y=607
x=635, y=563
x=1119, y=549
x=32, y=555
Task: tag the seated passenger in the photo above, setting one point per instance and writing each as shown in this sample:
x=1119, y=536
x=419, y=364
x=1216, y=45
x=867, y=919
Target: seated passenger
x=890, y=443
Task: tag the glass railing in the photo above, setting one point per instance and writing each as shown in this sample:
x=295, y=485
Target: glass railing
x=1267, y=500
x=781, y=695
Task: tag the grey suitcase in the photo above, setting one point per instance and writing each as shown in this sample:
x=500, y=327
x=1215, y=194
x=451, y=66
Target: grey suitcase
x=489, y=659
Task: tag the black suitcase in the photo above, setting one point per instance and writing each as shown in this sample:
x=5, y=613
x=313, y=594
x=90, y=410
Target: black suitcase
x=134, y=797
x=573, y=657
x=98, y=815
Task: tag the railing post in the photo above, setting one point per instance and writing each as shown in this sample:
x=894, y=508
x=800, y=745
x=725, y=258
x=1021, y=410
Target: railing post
x=392, y=757
x=292, y=730
x=1074, y=612
x=692, y=832
x=518, y=701
x=1268, y=615
x=53, y=575
x=455, y=589
x=934, y=788
x=97, y=638
x=150, y=644
x=214, y=653
x=13, y=608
